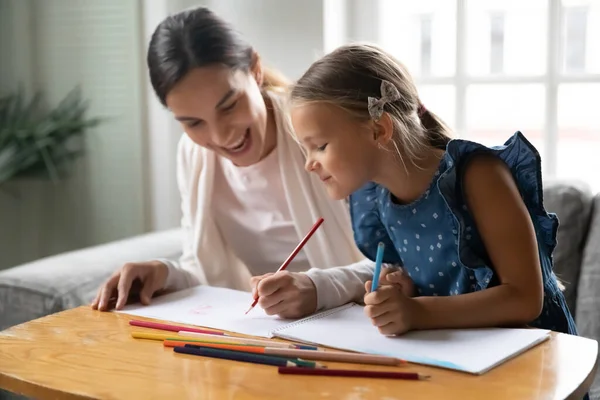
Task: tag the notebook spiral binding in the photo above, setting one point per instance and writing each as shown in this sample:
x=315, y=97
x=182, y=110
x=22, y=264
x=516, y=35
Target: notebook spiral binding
x=320, y=315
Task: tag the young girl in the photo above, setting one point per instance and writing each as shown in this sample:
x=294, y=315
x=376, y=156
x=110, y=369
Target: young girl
x=466, y=222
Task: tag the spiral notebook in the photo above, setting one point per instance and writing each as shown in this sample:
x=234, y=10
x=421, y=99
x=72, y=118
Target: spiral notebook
x=474, y=351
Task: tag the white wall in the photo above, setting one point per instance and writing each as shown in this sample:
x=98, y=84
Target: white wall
x=54, y=45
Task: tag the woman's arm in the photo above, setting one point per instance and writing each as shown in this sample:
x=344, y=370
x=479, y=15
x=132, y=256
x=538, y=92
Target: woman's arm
x=340, y=285
x=508, y=234
x=183, y=273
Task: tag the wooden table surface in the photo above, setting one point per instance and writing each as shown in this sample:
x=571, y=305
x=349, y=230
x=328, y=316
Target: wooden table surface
x=83, y=353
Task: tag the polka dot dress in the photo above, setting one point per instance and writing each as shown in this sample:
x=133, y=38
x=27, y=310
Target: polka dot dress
x=435, y=238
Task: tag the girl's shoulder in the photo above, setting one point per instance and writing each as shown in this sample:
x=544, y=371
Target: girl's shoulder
x=523, y=161
x=517, y=153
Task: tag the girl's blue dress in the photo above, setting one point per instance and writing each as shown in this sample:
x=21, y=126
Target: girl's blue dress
x=435, y=239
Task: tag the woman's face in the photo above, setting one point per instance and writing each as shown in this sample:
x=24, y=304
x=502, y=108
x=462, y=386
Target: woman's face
x=223, y=110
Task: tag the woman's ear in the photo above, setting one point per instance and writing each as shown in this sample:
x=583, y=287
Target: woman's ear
x=256, y=68
x=384, y=130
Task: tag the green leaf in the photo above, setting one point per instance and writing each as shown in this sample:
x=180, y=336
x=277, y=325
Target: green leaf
x=37, y=140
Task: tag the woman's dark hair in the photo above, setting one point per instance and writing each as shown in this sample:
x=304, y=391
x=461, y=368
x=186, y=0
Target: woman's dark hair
x=197, y=38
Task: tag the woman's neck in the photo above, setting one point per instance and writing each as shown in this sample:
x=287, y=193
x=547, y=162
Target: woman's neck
x=407, y=180
x=270, y=141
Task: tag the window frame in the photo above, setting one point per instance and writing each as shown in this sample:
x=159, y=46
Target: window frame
x=551, y=79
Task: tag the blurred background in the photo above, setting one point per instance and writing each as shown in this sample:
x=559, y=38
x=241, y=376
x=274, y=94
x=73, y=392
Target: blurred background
x=488, y=67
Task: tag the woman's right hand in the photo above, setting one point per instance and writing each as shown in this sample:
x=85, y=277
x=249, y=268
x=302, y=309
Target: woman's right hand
x=143, y=279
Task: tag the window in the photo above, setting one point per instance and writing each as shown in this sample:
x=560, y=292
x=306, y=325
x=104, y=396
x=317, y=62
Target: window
x=492, y=67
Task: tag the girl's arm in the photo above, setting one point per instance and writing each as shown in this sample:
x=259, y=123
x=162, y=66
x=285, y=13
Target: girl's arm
x=508, y=234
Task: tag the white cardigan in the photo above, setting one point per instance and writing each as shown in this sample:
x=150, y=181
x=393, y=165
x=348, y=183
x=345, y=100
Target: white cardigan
x=206, y=257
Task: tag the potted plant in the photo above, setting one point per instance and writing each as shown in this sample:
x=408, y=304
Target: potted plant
x=39, y=142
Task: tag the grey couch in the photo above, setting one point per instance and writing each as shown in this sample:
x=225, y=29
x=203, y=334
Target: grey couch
x=68, y=280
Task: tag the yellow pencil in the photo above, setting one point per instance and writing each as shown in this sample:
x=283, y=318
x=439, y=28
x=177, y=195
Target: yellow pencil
x=209, y=339
x=234, y=340
x=158, y=336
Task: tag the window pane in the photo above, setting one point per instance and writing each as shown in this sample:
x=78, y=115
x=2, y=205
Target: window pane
x=421, y=34
x=440, y=99
x=496, y=112
x=579, y=133
x=581, y=24
x=506, y=37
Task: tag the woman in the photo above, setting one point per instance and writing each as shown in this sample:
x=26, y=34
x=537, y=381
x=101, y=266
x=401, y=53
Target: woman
x=246, y=199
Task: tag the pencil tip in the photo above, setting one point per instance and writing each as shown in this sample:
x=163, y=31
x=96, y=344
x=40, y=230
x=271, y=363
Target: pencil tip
x=251, y=307
x=424, y=377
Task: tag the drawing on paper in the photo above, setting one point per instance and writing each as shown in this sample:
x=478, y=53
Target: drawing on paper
x=203, y=309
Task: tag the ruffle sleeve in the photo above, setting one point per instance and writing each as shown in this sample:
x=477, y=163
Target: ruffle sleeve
x=524, y=162
x=367, y=226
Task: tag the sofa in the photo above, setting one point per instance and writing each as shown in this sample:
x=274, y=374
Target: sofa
x=69, y=280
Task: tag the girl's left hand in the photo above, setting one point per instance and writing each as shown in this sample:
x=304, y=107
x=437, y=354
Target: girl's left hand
x=389, y=309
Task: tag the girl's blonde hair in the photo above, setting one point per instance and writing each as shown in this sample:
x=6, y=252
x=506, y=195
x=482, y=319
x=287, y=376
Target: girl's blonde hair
x=351, y=74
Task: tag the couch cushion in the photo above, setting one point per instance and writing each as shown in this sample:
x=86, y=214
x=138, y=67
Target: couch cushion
x=588, y=296
x=572, y=203
x=72, y=279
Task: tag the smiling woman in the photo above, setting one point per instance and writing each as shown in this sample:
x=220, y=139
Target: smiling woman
x=246, y=199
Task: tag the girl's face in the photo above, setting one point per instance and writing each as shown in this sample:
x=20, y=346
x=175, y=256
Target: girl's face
x=223, y=110
x=341, y=150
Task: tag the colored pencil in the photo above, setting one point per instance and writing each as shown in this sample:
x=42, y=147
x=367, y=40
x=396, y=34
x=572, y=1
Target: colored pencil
x=352, y=373
x=172, y=328
x=235, y=356
x=161, y=336
x=378, y=261
x=335, y=356
x=207, y=339
x=217, y=345
x=294, y=253
x=251, y=350
x=235, y=340
x=303, y=354
x=305, y=347
x=292, y=353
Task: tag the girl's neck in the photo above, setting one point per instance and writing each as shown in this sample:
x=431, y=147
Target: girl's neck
x=407, y=181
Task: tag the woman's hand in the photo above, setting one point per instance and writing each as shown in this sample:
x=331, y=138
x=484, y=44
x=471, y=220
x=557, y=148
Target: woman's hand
x=286, y=294
x=143, y=279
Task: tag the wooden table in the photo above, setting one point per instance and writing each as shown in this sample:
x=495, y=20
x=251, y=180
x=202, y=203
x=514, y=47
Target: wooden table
x=83, y=353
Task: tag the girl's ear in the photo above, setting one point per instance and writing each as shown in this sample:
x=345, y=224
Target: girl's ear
x=256, y=69
x=384, y=130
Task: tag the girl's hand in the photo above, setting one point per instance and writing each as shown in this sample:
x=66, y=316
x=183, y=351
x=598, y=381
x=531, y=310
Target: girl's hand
x=396, y=276
x=286, y=294
x=389, y=309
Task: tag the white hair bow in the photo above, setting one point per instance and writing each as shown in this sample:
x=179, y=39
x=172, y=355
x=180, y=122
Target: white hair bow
x=389, y=93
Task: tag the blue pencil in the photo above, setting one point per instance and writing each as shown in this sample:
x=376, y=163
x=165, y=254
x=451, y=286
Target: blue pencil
x=235, y=356
x=378, y=261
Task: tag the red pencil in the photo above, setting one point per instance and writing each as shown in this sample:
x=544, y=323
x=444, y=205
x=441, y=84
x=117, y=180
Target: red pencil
x=294, y=253
x=352, y=373
x=172, y=328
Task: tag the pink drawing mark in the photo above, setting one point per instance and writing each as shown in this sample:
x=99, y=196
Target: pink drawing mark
x=201, y=310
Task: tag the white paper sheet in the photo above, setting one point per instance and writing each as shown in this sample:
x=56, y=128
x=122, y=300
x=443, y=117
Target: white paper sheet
x=469, y=350
x=210, y=307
